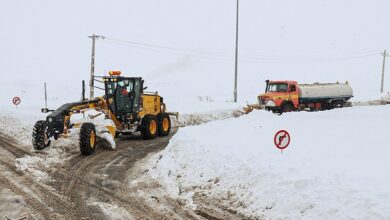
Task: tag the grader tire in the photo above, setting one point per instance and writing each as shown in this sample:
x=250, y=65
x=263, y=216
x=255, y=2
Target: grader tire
x=149, y=127
x=39, y=137
x=87, y=139
x=164, y=124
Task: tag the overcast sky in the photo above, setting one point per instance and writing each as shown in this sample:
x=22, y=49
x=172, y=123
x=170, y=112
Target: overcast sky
x=303, y=40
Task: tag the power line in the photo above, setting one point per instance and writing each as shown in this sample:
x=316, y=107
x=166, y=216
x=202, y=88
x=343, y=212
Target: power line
x=188, y=53
x=306, y=60
x=166, y=48
x=244, y=57
x=249, y=55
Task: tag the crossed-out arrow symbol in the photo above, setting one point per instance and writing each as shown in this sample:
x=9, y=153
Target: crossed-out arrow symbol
x=281, y=138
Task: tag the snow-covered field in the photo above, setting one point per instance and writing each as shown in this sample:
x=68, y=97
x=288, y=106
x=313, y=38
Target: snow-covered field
x=337, y=164
x=336, y=167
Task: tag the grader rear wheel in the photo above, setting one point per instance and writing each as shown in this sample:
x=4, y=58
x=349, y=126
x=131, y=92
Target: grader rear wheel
x=149, y=127
x=87, y=139
x=164, y=124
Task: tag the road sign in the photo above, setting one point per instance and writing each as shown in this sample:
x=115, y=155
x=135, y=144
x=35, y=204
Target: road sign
x=16, y=100
x=282, y=139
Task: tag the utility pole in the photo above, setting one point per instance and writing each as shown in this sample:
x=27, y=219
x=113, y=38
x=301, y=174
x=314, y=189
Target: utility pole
x=92, y=77
x=384, y=54
x=44, y=85
x=236, y=58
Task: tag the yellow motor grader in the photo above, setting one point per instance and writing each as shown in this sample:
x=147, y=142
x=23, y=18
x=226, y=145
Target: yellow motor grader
x=125, y=104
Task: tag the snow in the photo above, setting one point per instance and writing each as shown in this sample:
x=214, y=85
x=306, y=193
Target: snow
x=103, y=133
x=45, y=160
x=111, y=211
x=32, y=164
x=19, y=123
x=336, y=166
x=203, y=117
x=100, y=122
x=386, y=97
x=232, y=159
x=12, y=206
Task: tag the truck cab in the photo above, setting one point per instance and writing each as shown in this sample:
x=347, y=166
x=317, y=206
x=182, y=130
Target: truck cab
x=280, y=96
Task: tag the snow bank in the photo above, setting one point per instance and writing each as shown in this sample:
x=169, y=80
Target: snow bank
x=200, y=105
x=336, y=166
x=386, y=97
x=203, y=117
x=18, y=123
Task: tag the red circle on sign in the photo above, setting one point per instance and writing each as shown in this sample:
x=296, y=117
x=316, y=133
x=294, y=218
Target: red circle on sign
x=279, y=137
x=16, y=100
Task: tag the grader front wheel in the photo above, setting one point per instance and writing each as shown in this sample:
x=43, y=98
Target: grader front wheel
x=87, y=139
x=39, y=136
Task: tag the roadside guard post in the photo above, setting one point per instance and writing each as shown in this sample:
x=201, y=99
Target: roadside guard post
x=282, y=140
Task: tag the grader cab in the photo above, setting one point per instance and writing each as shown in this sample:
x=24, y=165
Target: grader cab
x=126, y=107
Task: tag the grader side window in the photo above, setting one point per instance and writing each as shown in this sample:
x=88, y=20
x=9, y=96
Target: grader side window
x=137, y=94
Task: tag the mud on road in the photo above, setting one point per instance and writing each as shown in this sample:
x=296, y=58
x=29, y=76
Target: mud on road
x=93, y=187
x=99, y=186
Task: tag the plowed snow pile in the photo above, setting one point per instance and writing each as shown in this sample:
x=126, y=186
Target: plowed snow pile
x=336, y=167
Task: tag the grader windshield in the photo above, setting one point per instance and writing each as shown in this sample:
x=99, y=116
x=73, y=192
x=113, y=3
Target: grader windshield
x=123, y=94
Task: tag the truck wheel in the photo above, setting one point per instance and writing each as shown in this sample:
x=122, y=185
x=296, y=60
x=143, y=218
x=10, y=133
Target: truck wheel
x=164, y=124
x=87, y=139
x=338, y=104
x=149, y=127
x=287, y=107
x=39, y=136
x=326, y=106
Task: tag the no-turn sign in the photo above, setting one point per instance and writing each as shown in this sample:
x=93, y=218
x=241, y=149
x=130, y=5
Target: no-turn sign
x=16, y=100
x=282, y=139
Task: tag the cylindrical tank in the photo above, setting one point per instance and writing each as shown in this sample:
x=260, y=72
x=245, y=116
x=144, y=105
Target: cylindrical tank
x=325, y=90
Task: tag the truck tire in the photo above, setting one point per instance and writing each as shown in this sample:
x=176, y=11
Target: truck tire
x=287, y=107
x=87, y=139
x=164, y=124
x=326, y=106
x=338, y=104
x=149, y=127
x=39, y=136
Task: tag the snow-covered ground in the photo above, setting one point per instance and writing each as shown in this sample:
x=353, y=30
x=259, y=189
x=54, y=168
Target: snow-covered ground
x=385, y=97
x=18, y=122
x=336, y=167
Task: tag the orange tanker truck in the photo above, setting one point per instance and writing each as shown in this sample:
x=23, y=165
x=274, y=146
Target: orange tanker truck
x=286, y=96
